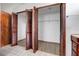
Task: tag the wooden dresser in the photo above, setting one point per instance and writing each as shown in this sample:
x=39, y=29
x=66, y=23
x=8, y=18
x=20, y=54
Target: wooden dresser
x=4, y=28
x=75, y=45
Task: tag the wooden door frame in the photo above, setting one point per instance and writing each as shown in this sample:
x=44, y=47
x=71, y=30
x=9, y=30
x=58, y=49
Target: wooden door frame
x=62, y=28
x=28, y=43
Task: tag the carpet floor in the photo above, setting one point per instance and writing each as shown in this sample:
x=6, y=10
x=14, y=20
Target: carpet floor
x=20, y=51
x=52, y=48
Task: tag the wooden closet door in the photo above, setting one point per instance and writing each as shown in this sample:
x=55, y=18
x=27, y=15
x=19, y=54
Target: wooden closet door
x=29, y=30
x=14, y=29
x=5, y=32
x=35, y=29
x=0, y=29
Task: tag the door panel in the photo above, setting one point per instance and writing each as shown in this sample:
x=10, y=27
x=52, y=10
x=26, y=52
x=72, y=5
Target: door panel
x=35, y=29
x=14, y=29
x=5, y=25
x=29, y=30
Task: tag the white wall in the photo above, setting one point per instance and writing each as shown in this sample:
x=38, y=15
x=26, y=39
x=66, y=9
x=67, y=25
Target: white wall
x=72, y=24
x=49, y=24
x=72, y=27
x=22, y=21
x=72, y=9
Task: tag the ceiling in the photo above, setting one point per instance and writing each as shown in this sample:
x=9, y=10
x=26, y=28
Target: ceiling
x=71, y=8
x=15, y=7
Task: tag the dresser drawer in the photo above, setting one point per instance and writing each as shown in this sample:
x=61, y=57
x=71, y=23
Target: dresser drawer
x=74, y=46
x=74, y=54
x=78, y=50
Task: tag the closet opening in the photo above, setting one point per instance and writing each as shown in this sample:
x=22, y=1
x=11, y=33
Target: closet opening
x=21, y=29
x=48, y=29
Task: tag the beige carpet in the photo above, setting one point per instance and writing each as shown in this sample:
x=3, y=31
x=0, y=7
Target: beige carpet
x=20, y=51
x=52, y=48
x=22, y=43
x=49, y=47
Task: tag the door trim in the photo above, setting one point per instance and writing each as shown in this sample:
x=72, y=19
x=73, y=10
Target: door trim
x=63, y=29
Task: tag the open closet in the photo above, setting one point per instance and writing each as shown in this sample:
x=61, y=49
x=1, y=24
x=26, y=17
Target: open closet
x=21, y=29
x=48, y=29
x=44, y=30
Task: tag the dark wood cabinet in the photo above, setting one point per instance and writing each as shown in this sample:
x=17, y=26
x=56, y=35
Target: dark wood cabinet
x=4, y=28
x=75, y=45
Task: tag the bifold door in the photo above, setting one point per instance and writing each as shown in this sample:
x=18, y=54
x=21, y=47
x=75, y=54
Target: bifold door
x=29, y=30
x=14, y=29
x=34, y=29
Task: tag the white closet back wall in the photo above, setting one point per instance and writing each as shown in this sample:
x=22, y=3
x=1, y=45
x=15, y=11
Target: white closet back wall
x=22, y=21
x=49, y=24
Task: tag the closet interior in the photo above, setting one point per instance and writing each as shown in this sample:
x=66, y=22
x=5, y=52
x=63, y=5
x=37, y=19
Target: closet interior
x=21, y=29
x=22, y=25
x=49, y=29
